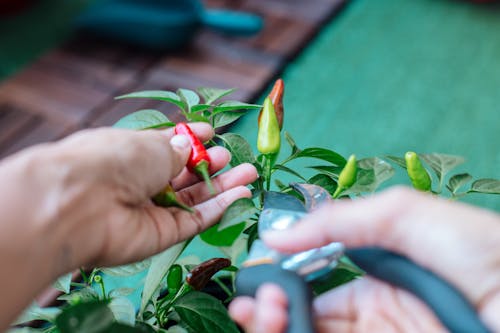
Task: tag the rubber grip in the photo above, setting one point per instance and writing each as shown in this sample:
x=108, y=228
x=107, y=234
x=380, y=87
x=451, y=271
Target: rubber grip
x=450, y=306
x=298, y=292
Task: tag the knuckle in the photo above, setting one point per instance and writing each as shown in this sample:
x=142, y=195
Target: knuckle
x=187, y=197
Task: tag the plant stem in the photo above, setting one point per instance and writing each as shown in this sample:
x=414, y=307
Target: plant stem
x=103, y=289
x=223, y=286
x=267, y=171
x=181, y=292
x=337, y=192
x=84, y=276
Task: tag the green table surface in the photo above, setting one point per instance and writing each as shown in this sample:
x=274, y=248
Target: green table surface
x=389, y=76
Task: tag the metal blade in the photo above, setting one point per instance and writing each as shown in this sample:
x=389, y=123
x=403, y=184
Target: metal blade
x=314, y=195
x=283, y=201
x=280, y=212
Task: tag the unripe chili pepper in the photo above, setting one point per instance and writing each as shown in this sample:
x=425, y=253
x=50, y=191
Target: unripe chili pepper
x=347, y=176
x=174, y=279
x=419, y=176
x=198, y=161
x=168, y=198
x=268, y=137
x=276, y=96
x=201, y=274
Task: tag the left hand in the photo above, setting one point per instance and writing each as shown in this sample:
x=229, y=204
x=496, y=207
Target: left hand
x=104, y=198
x=85, y=201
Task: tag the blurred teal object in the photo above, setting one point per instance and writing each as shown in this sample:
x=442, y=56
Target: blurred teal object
x=162, y=24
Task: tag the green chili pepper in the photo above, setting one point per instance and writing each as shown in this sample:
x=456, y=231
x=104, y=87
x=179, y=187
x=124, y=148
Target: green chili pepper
x=419, y=176
x=268, y=138
x=276, y=96
x=174, y=279
x=168, y=198
x=347, y=176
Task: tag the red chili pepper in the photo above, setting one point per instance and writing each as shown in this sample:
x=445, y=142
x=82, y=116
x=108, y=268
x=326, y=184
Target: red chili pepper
x=198, y=161
x=276, y=97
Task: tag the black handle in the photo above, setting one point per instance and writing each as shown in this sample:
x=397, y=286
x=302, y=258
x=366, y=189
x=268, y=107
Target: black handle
x=298, y=293
x=450, y=306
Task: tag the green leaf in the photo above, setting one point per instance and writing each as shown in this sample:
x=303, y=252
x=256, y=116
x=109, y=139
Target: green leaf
x=127, y=270
x=93, y=317
x=331, y=171
x=372, y=172
x=176, y=329
x=457, y=181
x=159, y=95
x=283, y=168
x=239, y=211
x=226, y=118
x=397, y=160
x=35, y=312
x=322, y=154
x=282, y=187
x=487, y=185
x=25, y=330
x=188, y=97
x=240, y=149
x=441, y=163
x=253, y=234
x=204, y=313
x=292, y=143
x=64, y=283
x=123, y=310
x=81, y=295
x=225, y=237
x=200, y=108
x=234, y=106
x=193, y=117
x=119, y=292
x=160, y=264
x=325, y=182
x=144, y=119
x=210, y=95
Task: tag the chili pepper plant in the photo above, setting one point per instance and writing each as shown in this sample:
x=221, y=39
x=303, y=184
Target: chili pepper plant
x=182, y=293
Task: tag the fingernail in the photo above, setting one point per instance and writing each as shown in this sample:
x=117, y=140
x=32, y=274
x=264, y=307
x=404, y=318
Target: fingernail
x=180, y=141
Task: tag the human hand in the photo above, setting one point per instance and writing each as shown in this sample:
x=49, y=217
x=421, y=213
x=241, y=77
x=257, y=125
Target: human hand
x=460, y=243
x=111, y=176
x=85, y=201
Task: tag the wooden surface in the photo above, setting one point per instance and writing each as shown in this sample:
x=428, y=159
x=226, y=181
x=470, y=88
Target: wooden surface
x=74, y=86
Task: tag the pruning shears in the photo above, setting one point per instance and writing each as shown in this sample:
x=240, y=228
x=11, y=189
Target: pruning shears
x=298, y=273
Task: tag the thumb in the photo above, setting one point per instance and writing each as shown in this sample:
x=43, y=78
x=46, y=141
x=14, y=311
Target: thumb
x=175, y=159
x=181, y=147
x=155, y=158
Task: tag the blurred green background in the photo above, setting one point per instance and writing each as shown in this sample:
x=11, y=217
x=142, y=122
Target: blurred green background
x=389, y=76
x=383, y=77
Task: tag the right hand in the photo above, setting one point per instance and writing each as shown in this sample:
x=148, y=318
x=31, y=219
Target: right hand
x=458, y=242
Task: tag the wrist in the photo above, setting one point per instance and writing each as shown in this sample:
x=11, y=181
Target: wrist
x=27, y=246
